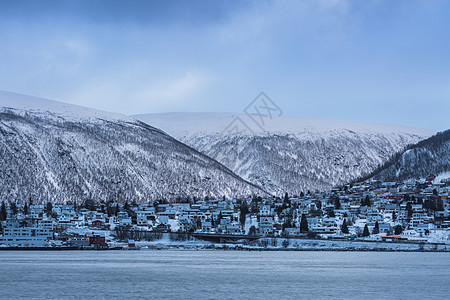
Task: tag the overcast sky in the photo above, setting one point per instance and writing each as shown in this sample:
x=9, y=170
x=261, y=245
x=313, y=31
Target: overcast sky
x=377, y=61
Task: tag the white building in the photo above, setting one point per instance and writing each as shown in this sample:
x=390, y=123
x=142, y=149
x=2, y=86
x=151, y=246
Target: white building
x=26, y=237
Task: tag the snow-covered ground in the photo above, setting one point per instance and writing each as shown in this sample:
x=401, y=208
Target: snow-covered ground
x=436, y=241
x=9, y=100
x=184, y=124
x=289, y=154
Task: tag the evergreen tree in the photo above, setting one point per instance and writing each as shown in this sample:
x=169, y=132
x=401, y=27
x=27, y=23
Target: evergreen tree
x=344, y=227
x=252, y=231
x=13, y=207
x=366, y=231
x=337, y=203
x=304, y=224
x=409, y=209
x=398, y=229
x=25, y=208
x=243, y=212
x=319, y=204
x=286, y=202
x=213, y=224
x=376, y=228
x=219, y=218
x=3, y=212
x=48, y=209
x=407, y=198
x=439, y=204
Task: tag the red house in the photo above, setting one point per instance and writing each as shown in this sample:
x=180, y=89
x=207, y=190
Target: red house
x=97, y=223
x=162, y=228
x=96, y=240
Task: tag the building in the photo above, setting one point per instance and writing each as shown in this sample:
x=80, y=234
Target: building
x=97, y=240
x=266, y=225
x=26, y=237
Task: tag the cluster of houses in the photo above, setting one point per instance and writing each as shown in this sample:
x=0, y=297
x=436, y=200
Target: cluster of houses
x=382, y=210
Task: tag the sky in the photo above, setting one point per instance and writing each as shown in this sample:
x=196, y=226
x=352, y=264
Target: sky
x=372, y=61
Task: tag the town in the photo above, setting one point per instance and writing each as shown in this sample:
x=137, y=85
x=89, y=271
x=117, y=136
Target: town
x=415, y=211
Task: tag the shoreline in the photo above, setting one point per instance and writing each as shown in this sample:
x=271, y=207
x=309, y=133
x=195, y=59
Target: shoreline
x=226, y=247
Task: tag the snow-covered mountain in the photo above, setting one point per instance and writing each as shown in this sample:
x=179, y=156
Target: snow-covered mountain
x=290, y=154
x=430, y=156
x=60, y=152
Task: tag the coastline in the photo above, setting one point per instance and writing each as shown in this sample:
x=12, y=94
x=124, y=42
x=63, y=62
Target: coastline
x=260, y=244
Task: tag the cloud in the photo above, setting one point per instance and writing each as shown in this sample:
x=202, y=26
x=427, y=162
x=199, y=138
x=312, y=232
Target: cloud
x=322, y=58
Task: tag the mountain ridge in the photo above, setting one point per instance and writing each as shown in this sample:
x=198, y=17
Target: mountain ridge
x=52, y=151
x=292, y=154
x=428, y=157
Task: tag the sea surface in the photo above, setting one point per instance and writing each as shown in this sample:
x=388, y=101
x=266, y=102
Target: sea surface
x=223, y=275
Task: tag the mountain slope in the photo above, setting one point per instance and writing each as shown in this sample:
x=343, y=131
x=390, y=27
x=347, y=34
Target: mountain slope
x=291, y=154
x=430, y=156
x=61, y=152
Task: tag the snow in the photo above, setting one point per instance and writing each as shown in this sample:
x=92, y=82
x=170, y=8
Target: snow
x=72, y=151
x=182, y=124
x=437, y=241
x=442, y=176
x=9, y=100
x=293, y=154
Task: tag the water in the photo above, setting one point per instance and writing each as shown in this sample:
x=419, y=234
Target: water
x=223, y=275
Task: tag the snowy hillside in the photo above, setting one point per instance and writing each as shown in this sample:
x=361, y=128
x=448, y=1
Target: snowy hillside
x=55, y=151
x=431, y=156
x=291, y=154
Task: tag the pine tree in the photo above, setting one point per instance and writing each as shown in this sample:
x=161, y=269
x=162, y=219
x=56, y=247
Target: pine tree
x=286, y=202
x=344, y=227
x=409, y=209
x=337, y=203
x=439, y=204
x=366, y=231
x=407, y=198
x=398, y=229
x=376, y=228
x=49, y=209
x=3, y=212
x=243, y=212
x=252, y=231
x=25, y=208
x=304, y=224
x=13, y=207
